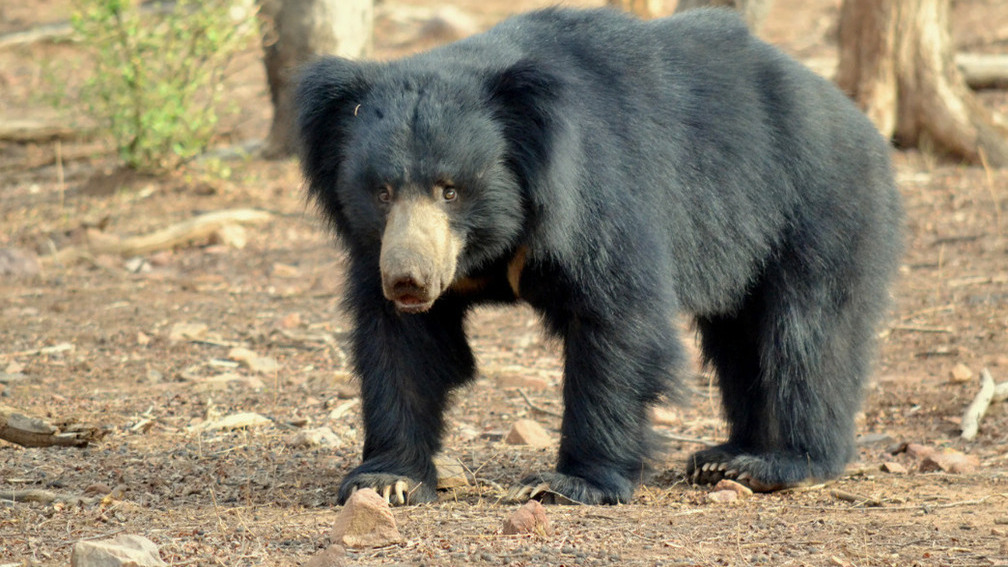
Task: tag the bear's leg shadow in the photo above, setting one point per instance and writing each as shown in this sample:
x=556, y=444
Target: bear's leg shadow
x=615, y=369
x=407, y=365
x=791, y=365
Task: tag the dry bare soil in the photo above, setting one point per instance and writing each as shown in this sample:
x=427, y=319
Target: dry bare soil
x=258, y=496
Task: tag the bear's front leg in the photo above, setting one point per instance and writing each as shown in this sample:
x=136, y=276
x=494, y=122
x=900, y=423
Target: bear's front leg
x=615, y=369
x=407, y=365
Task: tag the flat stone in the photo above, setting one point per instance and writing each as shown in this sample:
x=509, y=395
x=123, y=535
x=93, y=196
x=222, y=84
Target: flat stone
x=450, y=472
x=893, y=467
x=124, y=550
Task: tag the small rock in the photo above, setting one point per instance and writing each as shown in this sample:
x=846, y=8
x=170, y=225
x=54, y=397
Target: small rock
x=528, y=432
x=446, y=24
x=97, y=489
x=285, y=271
x=230, y=235
x=450, y=472
x=722, y=496
x=961, y=373
x=919, y=451
x=137, y=265
x=317, y=437
x=254, y=362
x=664, y=416
x=950, y=461
x=240, y=420
x=187, y=332
x=221, y=381
x=346, y=390
x=120, y=551
x=531, y=518
x=893, y=467
x=873, y=439
x=365, y=521
x=332, y=556
x=738, y=488
x=161, y=258
x=289, y=321
x=18, y=263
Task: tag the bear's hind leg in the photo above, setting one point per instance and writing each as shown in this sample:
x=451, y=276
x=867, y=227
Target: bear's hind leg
x=791, y=367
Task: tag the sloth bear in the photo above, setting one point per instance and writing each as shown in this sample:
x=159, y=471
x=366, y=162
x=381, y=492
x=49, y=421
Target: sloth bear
x=611, y=173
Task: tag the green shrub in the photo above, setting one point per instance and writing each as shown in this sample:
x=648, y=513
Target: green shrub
x=156, y=86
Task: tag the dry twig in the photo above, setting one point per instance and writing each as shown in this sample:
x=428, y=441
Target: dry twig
x=989, y=393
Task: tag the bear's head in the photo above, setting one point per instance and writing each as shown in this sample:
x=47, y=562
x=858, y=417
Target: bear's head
x=423, y=168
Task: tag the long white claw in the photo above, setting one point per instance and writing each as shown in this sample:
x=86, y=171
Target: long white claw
x=386, y=492
x=540, y=488
x=400, y=489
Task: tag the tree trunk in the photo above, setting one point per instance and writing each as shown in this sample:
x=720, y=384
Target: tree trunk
x=896, y=61
x=753, y=11
x=295, y=32
x=646, y=9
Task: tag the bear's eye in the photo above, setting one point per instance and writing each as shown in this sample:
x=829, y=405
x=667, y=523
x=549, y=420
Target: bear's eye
x=385, y=194
x=449, y=194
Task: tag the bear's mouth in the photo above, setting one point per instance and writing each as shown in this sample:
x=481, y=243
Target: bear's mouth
x=408, y=303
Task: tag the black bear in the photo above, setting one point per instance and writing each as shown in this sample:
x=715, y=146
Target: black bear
x=611, y=173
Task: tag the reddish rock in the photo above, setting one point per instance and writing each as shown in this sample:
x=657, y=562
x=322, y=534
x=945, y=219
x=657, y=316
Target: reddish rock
x=950, y=461
x=365, y=521
x=919, y=451
x=529, y=519
x=528, y=432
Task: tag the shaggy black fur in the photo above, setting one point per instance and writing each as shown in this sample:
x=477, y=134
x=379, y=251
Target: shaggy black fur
x=647, y=169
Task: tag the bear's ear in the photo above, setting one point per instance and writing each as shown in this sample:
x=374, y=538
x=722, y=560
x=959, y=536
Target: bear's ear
x=328, y=94
x=524, y=97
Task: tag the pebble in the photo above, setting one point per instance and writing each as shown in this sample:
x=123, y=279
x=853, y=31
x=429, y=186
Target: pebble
x=961, y=373
x=528, y=432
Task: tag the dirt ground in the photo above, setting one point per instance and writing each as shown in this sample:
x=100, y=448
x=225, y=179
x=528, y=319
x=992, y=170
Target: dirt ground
x=91, y=343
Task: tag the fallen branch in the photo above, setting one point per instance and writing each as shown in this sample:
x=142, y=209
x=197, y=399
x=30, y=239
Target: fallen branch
x=983, y=70
x=988, y=394
x=45, y=32
x=42, y=496
x=22, y=131
x=980, y=70
x=34, y=432
x=197, y=228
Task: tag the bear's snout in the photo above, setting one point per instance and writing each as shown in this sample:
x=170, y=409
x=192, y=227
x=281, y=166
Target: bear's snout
x=418, y=255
